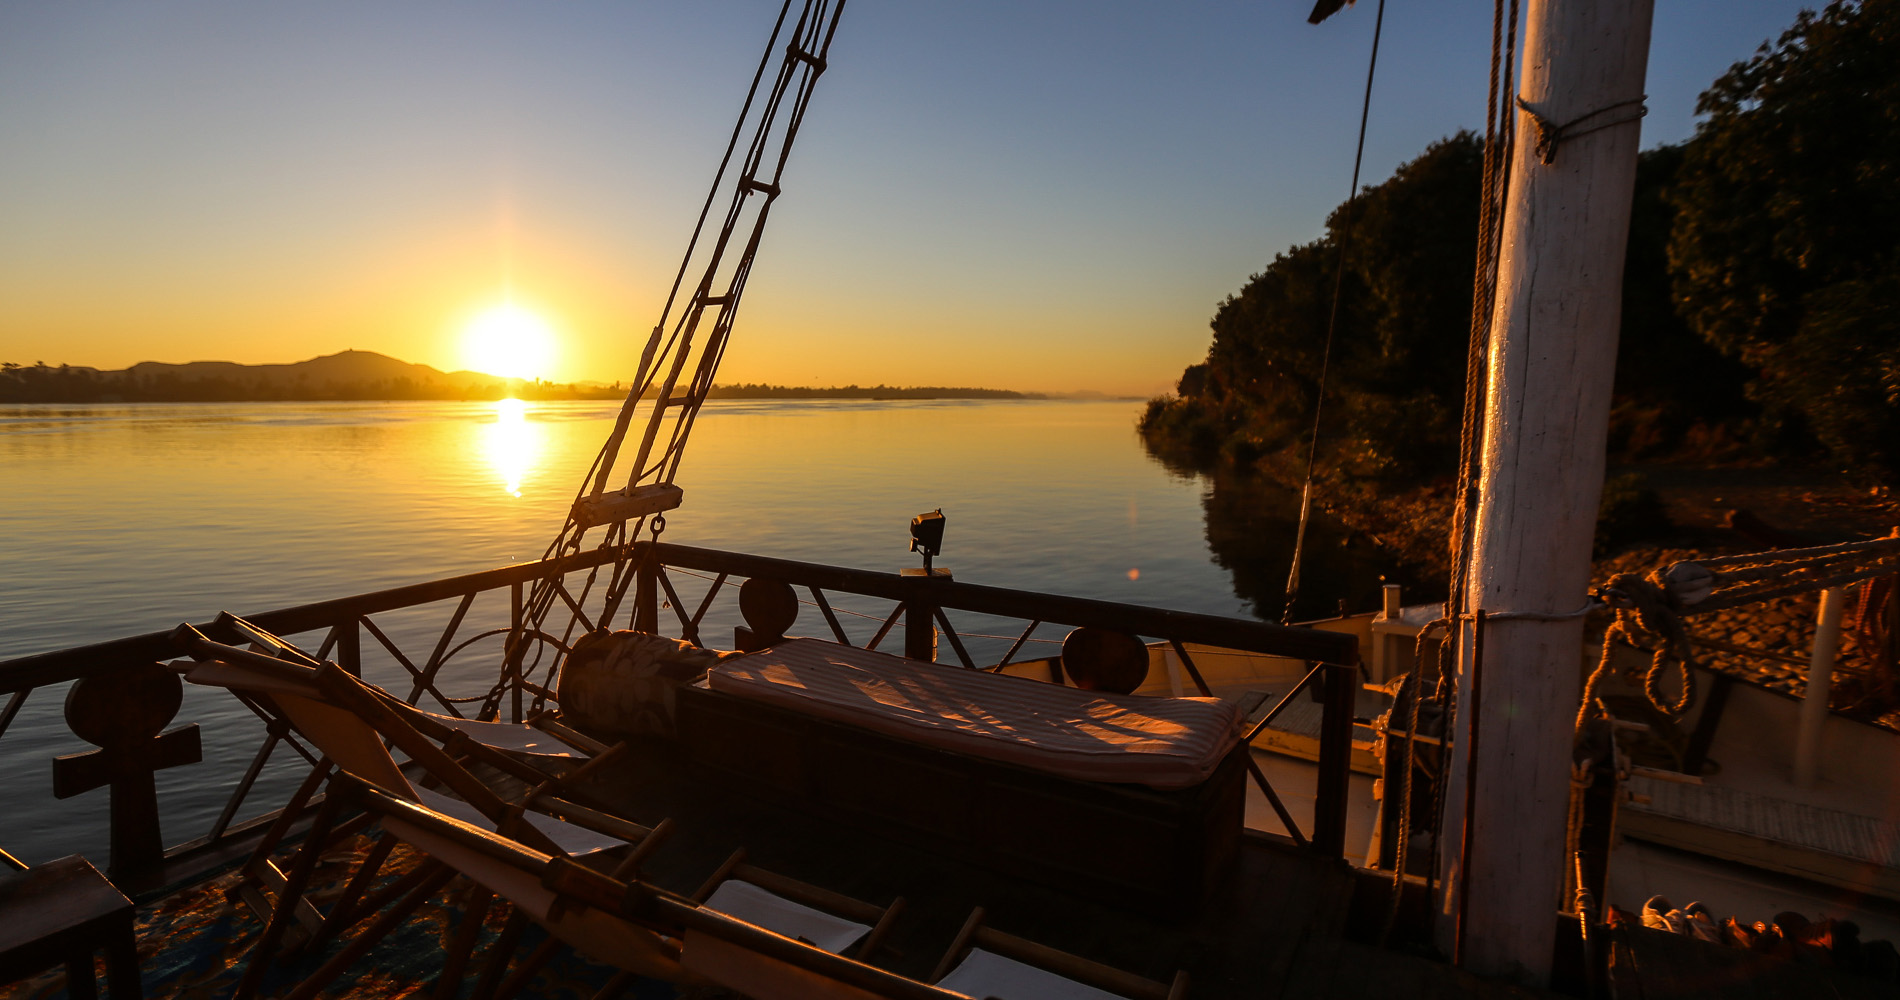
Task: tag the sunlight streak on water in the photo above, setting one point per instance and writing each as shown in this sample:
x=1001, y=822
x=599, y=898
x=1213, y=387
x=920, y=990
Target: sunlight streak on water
x=512, y=445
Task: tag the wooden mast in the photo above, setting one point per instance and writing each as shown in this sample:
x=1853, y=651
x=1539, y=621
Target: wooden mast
x=1552, y=358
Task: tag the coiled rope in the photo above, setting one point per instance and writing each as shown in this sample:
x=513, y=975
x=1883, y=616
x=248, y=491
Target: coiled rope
x=1644, y=608
x=1652, y=609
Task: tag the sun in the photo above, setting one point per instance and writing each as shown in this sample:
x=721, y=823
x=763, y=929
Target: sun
x=508, y=341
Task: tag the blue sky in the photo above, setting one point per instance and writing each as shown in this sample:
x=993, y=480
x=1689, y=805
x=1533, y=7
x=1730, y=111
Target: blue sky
x=1035, y=194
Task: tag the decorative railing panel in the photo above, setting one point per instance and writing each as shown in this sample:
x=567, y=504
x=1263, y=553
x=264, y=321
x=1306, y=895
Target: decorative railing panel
x=455, y=644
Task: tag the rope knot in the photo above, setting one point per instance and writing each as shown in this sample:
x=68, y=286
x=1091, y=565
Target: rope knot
x=1550, y=134
x=1648, y=606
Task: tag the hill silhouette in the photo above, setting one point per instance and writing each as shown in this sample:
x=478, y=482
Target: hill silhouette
x=346, y=375
x=367, y=375
x=341, y=367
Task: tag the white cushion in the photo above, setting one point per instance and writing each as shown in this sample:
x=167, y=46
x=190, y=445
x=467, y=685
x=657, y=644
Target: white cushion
x=985, y=974
x=575, y=840
x=779, y=915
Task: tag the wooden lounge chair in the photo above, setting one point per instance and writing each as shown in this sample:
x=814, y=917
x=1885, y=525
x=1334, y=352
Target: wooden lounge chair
x=541, y=737
x=830, y=920
x=645, y=930
x=984, y=962
x=981, y=963
x=754, y=949
x=348, y=720
x=634, y=926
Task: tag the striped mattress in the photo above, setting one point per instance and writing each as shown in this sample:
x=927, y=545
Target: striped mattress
x=1159, y=742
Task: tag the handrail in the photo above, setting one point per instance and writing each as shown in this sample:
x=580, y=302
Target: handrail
x=59, y=666
x=1234, y=633
x=920, y=603
x=40, y=669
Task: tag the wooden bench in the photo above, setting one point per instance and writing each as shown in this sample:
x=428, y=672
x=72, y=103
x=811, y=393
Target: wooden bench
x=1128, y=845
x=62, y=912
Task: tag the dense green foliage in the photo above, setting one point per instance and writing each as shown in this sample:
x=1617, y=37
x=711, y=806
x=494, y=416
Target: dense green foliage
x=1396, y=383
x=1393, y=389
x=1761, y=294
x=1786, y=251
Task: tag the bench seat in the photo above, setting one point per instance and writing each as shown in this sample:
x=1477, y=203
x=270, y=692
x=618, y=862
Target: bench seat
x=1033, y=780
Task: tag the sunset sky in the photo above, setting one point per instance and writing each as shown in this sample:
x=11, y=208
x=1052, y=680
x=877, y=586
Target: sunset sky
x=1032, y=194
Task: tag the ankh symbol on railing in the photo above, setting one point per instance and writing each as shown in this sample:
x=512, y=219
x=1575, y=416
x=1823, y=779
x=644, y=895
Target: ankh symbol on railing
x=124, y=713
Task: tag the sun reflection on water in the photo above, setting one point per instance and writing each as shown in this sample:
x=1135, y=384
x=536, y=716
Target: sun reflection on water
x=512, y=444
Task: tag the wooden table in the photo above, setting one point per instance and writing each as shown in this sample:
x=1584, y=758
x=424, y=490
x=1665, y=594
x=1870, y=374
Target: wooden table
x=63, y=911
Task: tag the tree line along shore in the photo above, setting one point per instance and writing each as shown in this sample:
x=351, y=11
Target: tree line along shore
x=1761, y=308
x=366, y=375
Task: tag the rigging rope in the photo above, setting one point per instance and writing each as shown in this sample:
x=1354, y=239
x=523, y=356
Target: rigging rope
x=1500, y=142
x=774, y=122
x=1499, y=137
x=1654, y=607
x=1332, y=319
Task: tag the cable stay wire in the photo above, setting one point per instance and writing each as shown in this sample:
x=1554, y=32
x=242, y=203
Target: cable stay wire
x=1320, y=13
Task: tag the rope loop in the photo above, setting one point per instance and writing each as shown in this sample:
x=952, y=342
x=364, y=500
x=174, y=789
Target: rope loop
x=1550, y=134
x=1645, y=606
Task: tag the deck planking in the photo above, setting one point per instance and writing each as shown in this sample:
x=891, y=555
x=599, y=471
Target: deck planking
x=1831, y=846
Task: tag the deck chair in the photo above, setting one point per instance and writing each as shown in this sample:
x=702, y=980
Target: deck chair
x=634, y=926
x=291, y=688
x=507, y=747
x=541, y=737
x=830, y=920
x=348, y=720
x=643, y=929
x=984, y=962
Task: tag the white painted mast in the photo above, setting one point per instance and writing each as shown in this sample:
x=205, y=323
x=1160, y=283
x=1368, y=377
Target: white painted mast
x=1552, y=359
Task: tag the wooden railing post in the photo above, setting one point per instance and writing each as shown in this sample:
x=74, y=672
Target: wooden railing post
x=349, y=646
x=646, y=593
x=1335, y=760
x=920, y=631
x=920, y=612
x=518, y=648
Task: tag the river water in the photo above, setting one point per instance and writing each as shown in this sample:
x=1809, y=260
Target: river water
x=119, y=520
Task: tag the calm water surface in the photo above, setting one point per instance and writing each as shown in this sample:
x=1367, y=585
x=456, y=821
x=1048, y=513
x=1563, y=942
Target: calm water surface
x=124, y=519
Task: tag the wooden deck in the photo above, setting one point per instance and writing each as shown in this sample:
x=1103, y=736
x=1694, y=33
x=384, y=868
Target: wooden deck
x=1279, y=929
x=1838, y=848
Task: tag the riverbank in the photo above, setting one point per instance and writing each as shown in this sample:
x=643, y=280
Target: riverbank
x=1659, y=514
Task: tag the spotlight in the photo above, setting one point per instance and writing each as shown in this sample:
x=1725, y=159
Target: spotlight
x=926, y=535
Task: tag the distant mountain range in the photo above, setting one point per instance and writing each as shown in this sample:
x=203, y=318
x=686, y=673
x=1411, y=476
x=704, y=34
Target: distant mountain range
x=344, y=367
x=365, y=375
x=345, y=375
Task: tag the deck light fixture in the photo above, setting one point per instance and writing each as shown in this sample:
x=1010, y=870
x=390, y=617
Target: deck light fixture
x=926, y=535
